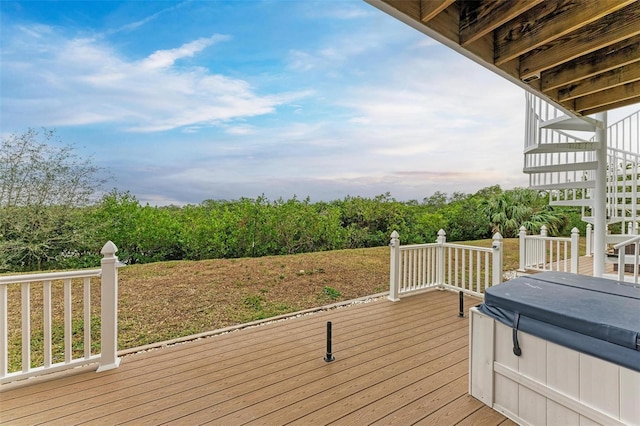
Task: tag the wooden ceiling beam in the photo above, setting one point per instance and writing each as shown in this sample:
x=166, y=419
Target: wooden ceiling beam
x=548, y=22
x=478, y=18
x=606, y=98
x=582, y=54
x=429, y=9
x=602, y=60
x=616, y=77
x=446, y=23
x=411, y=8
x=620, y=104
x=611, y=29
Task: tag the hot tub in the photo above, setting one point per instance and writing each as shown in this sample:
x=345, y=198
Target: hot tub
x=558, y=349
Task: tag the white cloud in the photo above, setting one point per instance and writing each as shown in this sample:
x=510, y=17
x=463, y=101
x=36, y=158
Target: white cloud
x=141, y=22
x=243, y=129
x=302, y=61
x=410, y=126
x=343, y=50
x=372, y=107
x=66, y=82
x=344, y=12
x=166, y=58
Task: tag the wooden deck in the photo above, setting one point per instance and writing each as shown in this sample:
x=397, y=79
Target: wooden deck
x=396, y=363
x=585, y=267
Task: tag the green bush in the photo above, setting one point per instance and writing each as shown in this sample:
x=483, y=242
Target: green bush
x=258, y=227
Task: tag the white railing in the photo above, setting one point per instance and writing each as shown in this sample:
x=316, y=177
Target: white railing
x=544, y=253
x=561, y=159
x=624, y=258
x=537, y=111
x=444, y=265
x=49, y=306
x=564, y=163
x=624, y=135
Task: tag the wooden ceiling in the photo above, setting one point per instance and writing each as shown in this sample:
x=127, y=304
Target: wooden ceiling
x=582, y=55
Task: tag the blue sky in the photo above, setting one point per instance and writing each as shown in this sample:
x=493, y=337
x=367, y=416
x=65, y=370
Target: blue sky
x=186, y=101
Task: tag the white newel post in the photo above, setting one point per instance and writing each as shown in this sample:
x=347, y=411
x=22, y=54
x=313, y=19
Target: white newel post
x=543, y=246
x=109, y=308
x=441, y=240
x=575, y=241
x=394, y=270
x=588, y=237
x=496, y=277
x=523, y=251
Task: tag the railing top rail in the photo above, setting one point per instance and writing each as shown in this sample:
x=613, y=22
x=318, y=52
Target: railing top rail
x=632, y=240
x=416, y=246
x=547, y=238
x=625, y=118
x=452, y=245
x=622, y=151
x=49, y=276
x=473, y=248
x=574, y=138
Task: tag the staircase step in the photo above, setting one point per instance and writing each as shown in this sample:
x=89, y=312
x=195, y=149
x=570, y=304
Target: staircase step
x=585, y=124
x=565, y=185
x=573, y=203
x=623, y=184
x=569, y=139
x=617, y=238
x=589, y=165
x=629, y=259
x=544, y=148
x=609, y=221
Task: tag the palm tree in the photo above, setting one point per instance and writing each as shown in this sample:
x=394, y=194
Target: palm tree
x=509, y=210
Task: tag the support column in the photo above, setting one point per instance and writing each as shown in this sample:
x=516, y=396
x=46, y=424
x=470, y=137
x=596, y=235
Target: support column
x=600, y=197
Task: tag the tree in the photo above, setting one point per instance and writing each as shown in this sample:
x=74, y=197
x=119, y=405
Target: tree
x=509, y=210
x=436, y=201
x=42, y=185
x=465, y=220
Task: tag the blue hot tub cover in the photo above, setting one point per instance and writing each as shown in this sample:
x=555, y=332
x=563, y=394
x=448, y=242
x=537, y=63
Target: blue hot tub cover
x=596, y=316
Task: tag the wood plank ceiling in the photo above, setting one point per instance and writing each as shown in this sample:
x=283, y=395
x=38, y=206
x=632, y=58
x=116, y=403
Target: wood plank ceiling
x=583, y=55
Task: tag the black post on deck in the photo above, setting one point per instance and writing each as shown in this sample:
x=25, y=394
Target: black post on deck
x=329, y=356
x=461, y=312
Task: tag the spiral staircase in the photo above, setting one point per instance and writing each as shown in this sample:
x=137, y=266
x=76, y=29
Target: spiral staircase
x=561, y=157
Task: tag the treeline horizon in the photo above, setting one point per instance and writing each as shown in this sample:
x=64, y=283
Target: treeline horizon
x=47, y=237
x=52, y=216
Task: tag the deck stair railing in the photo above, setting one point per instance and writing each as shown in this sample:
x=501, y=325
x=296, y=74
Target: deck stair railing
x=31, y=304
x=628, y=259
x=443, y=265
x=545, y=253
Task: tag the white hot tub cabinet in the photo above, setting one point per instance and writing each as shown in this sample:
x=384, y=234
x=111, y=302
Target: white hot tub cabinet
x=549, y=383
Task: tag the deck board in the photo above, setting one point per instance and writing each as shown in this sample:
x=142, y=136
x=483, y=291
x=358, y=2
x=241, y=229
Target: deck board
x=396, y=363
x=482, y=417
